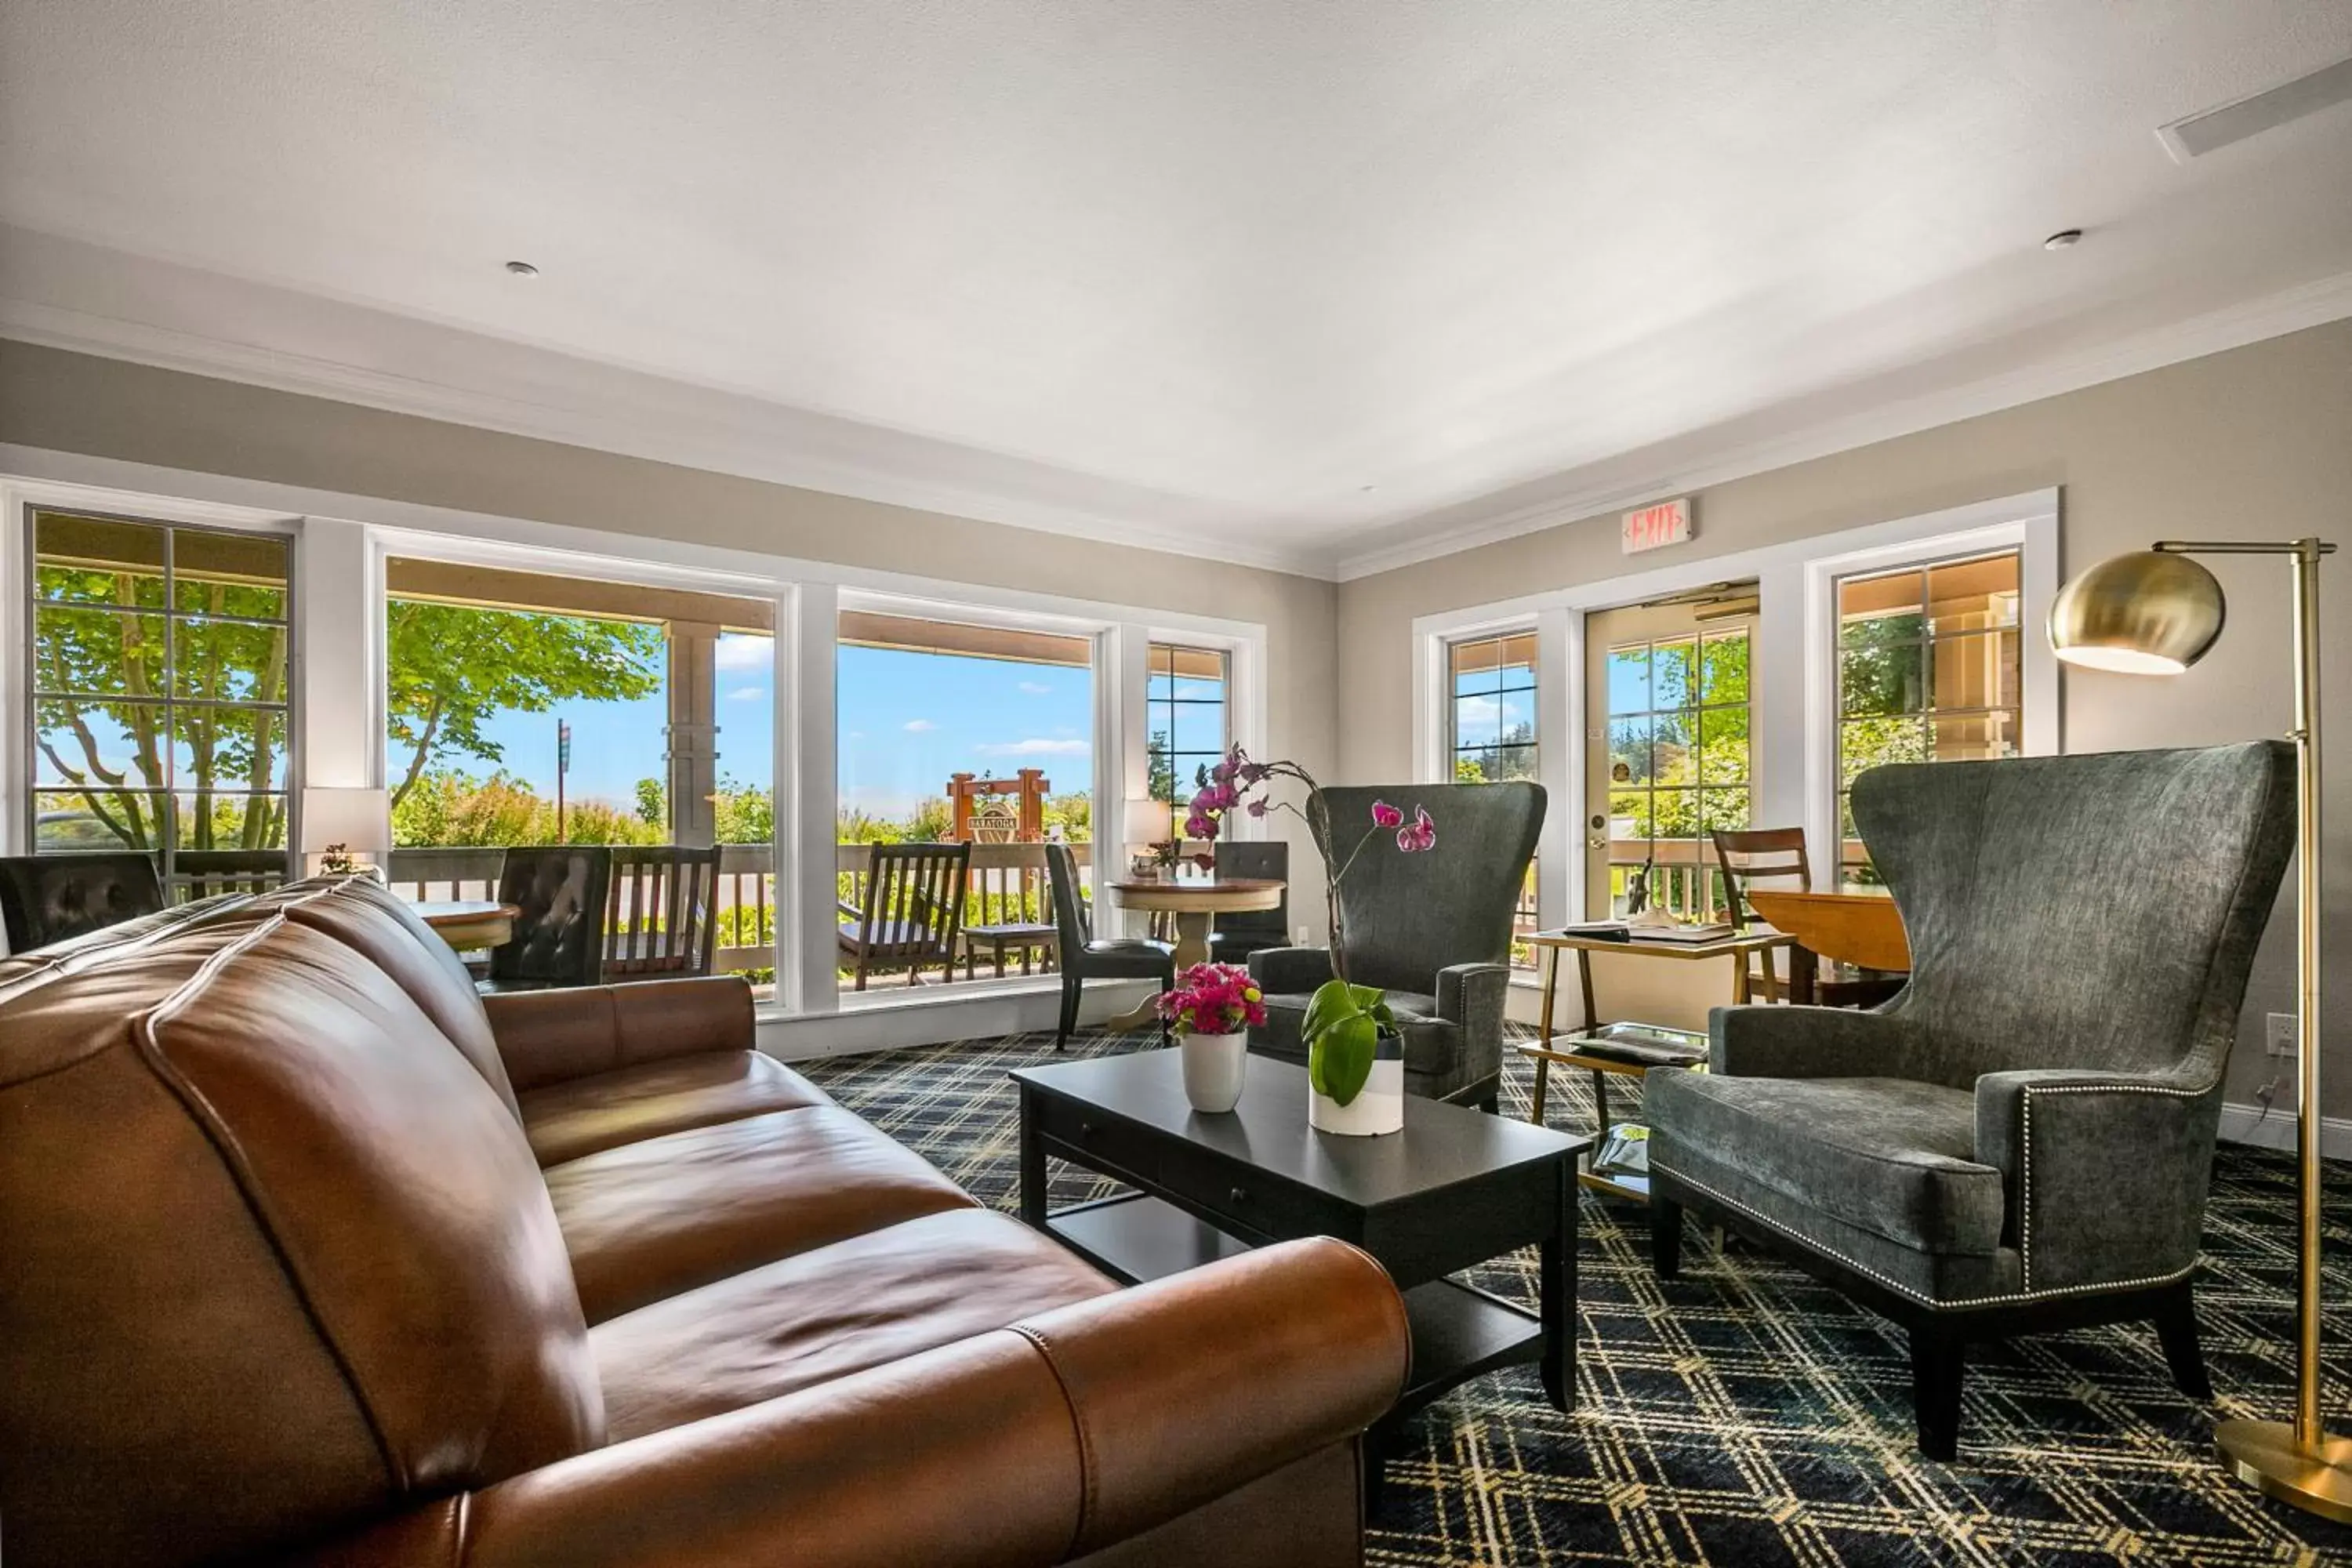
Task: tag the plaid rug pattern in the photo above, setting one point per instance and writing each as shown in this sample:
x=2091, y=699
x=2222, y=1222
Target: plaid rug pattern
x=1746, y=1416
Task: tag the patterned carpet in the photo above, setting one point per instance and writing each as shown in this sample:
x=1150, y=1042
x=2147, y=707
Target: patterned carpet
x=1745, y=1416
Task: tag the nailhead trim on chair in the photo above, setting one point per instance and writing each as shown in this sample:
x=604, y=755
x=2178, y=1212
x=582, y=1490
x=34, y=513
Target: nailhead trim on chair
x=1902, y=1290
x=2025, y=1223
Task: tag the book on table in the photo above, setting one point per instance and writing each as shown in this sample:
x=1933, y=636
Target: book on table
x=1678, y=930
x=1623, y=1151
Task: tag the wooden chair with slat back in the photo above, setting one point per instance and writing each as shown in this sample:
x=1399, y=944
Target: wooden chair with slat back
x=662, y=920
x=911, y=912
x=1775, y=859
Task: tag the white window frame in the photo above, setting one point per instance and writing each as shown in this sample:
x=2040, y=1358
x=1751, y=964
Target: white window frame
x=339, y=639
x=1795, y=629
x=20, y=497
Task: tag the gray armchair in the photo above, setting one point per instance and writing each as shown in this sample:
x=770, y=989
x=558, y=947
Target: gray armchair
x=2021, y=1140
x=1433, y=931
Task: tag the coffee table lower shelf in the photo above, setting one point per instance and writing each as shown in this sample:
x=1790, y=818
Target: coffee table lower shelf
x=1459, y=1331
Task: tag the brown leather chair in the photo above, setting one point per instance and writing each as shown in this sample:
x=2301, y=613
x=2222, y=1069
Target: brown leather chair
x=307, y=1255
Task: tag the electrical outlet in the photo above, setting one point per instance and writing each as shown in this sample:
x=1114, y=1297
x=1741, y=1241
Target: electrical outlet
x=2278, y=1034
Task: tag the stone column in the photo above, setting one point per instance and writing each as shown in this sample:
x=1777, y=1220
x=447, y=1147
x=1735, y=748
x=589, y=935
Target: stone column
x=693, y=731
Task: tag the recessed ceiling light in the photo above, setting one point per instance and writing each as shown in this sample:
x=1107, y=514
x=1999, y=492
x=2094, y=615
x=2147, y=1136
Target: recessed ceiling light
x=2065, y=239
x=522, y=269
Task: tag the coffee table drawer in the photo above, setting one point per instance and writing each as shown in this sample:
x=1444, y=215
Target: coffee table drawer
x=1248, y=1200
x=1099, y=1142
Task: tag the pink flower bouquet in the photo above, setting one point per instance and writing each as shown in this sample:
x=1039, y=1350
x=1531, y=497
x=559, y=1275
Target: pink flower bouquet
x=1212, y=999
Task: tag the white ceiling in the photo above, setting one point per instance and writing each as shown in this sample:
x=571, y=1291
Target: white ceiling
x=1324, y=285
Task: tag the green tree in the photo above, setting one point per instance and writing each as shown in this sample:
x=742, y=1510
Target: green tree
x=452, y=667
x=653, y=802
x=1160, y=766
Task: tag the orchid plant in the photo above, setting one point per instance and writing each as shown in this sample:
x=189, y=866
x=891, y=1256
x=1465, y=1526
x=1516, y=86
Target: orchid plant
x=1344, y=1022
x=1212, y=999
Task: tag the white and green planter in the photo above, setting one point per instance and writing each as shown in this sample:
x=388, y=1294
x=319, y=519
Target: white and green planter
x=1355, y=1062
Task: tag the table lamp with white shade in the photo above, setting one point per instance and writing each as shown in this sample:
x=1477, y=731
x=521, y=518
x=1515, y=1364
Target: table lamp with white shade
x=359, y=821
x=2155, y=612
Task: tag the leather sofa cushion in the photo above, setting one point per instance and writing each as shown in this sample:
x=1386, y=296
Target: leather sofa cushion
x=650, y=1219
x=1890, y=1156
x=827, y=1312
x=581, y=1116
x=363, y=914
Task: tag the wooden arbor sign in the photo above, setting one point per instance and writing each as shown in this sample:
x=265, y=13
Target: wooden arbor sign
x=981, y=811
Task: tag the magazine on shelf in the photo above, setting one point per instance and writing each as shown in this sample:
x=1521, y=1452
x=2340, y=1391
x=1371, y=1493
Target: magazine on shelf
x=1623, y=1151
x=1711, y=931
x=1641, y=1044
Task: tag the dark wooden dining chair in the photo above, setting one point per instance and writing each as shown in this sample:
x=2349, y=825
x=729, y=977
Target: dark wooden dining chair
x=1775, y=859
x=1239, y=935
x=1084, y=957
x=662, y=920
x=911, y=911
x=46, y=898
x=562, y=891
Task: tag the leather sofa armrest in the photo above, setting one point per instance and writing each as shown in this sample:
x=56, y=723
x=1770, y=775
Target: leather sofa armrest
x=2103, y=1174
x=1812, y=1041
x=1290, y=971
x=549, y=1036
x=1076, y=1428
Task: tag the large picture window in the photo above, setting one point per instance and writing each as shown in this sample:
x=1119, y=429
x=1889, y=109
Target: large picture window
x=160, y=683
x=1185, y=717
x=1927, y=670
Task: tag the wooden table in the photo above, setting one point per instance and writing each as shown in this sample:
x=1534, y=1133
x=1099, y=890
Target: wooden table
x=467, y=924
x=1454, y=1189
x=1551, y=1047
x=1195, y=902
x=1865, y=930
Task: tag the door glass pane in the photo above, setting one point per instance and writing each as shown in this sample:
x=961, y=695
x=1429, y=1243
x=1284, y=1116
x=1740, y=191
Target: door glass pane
x=1723, y=745
x=1723, y=810
x=1674, y=813
x=1629, y=750
x=1673, y=675
x=1724, y=670
x=95, y=560
x=1629, y=680
x=101, y=652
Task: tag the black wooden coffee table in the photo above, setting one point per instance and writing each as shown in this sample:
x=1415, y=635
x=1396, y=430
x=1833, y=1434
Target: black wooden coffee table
x=1455, y=1188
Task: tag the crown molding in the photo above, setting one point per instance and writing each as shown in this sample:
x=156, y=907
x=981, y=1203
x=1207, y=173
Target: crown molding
x=2275, y=315
x=546, y=394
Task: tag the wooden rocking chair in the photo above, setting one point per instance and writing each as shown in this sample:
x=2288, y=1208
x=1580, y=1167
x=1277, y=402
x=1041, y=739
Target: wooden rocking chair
x=912, y=913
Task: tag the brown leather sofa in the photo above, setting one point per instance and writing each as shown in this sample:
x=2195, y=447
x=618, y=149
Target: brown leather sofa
x=305, y=1255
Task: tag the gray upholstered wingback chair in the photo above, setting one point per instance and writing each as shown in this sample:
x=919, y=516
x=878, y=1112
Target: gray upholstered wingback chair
x=1433, y=931
x=2021, y=1139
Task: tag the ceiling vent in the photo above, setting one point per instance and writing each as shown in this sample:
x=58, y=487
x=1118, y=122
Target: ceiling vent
x=2216, y=127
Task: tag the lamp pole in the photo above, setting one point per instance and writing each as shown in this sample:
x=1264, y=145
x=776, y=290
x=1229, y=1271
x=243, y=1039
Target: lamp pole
x=2297, y=1461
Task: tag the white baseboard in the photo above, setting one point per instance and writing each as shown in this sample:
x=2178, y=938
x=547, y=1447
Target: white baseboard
x=2246, y=1125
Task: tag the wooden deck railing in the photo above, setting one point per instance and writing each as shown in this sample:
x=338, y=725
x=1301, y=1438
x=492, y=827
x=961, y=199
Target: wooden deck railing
x=1008, y=887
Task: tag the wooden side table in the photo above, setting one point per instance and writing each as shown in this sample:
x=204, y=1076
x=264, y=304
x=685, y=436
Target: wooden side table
x=1552, y=1046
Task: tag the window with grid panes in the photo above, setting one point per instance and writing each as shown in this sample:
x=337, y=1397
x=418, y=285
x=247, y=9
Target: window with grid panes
x=1928, y=672
x=1491, y=733
x=159, y=681
x=1185, y=721
x=1678, y=765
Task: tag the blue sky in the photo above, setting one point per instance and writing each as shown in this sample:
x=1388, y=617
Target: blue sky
x=907, y=721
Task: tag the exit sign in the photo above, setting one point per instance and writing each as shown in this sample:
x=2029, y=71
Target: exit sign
x=1668, y=522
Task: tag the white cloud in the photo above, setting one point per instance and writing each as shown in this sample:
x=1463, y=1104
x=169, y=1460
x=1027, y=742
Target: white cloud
x=1477, y=713
x=743, y=652
x=747, y=694
x=1037, y=746
x=917, y=726
x=1200, y=693
x=1036, y=688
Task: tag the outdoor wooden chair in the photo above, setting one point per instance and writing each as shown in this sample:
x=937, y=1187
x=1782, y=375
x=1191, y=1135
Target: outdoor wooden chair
x=662, y=920
x=911, y=912
x=1776, y=857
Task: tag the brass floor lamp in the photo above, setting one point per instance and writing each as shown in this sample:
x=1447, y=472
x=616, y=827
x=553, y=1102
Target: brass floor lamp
x=2156, y=613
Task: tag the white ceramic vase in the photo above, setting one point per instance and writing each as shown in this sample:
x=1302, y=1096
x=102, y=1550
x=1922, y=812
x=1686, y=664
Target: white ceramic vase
x=1378, y=1108
x=1213, y=1068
